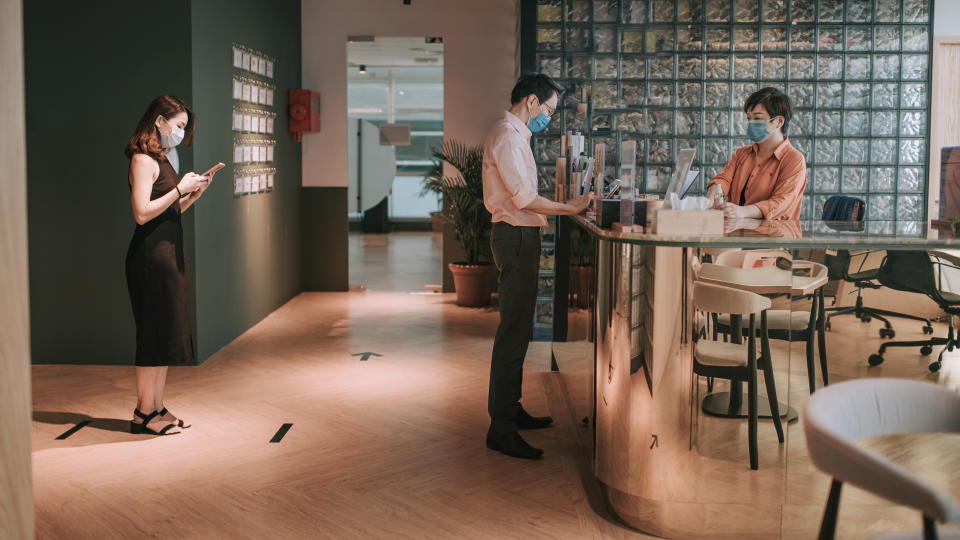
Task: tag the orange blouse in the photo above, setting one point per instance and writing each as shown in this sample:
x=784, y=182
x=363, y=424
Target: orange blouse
x=774, y=186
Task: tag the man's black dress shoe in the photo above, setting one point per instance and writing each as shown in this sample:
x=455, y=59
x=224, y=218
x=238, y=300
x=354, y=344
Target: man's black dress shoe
x=525, y=421
x=512, y=444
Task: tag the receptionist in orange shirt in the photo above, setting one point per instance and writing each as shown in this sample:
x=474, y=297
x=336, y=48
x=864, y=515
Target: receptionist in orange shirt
x=766, y=179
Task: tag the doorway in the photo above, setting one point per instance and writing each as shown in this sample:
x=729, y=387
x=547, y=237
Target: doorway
x=394, y=121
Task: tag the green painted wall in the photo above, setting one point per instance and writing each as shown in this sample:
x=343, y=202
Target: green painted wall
x=91, y=69
x=248, y=248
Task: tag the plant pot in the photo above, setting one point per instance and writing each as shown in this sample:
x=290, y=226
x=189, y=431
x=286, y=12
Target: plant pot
x=472, y=283
x=436, y=221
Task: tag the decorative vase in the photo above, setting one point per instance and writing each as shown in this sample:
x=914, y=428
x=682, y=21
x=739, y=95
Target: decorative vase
x=472, y=283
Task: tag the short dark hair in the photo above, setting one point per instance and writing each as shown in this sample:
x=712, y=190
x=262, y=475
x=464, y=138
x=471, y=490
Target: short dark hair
x=774, y=101
x=535, y=83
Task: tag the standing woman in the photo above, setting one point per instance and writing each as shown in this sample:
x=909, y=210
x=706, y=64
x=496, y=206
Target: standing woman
x=156, y=269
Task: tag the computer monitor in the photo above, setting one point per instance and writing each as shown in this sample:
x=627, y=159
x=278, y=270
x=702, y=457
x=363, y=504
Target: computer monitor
x=684, y=161
x=688, y=183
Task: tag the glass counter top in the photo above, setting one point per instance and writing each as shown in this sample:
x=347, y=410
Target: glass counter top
x=795, y=234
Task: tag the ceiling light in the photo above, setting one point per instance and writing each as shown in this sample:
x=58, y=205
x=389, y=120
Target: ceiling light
x=401, y=92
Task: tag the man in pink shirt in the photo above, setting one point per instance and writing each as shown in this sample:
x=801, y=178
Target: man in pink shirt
x=510, y=193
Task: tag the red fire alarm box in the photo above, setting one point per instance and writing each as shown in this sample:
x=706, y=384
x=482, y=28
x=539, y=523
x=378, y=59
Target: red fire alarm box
x=304, y=112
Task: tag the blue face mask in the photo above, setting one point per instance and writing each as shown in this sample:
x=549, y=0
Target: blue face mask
x=538, y=123
x=757, y=130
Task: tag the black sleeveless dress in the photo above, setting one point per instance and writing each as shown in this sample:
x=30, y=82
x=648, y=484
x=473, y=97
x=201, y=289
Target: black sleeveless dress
x=158, y=284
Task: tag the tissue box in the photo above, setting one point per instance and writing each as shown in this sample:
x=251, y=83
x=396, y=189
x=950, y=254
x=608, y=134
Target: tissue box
x=704, y=222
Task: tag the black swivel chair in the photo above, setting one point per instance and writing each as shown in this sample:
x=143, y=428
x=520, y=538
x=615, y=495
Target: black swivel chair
x=924, y=273
x=838, y=212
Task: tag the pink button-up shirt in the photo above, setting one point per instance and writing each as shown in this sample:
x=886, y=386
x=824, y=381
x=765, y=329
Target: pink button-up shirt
x=510, y=173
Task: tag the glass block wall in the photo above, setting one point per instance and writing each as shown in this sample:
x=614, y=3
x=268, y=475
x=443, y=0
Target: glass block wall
x=674, y=73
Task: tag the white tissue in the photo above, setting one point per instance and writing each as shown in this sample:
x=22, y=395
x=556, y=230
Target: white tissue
x=687, y=203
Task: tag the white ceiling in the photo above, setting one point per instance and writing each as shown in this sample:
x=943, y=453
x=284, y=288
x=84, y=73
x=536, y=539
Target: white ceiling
x=387, y=52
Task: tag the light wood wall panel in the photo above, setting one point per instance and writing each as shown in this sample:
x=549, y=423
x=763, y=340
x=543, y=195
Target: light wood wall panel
x=945, y=110
x=16, y=499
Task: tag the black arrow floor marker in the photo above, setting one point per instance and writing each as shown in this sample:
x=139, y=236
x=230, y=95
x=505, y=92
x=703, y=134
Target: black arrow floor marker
x=281, y=432
x=73, y=430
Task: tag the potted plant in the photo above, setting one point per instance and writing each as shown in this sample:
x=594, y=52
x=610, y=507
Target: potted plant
x=463, y=208
x=436, y=171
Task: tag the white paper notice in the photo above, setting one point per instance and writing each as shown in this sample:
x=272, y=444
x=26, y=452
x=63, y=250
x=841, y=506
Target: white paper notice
x=237, y=89
x=246, y=92
x=255, y=63
x=237, y=58
x=255, y=154
x=270, y=153
x=269, y=69
x=270, y=125
x=237, y=153
x=262, y=67
x=237, y=121
x=263, y=182
x=238, y=184
x=245, y=63
x=263, y=124
x=246, y=154
x=246, y=184
x=255, y=94
x=263, y=96
x=246, y=122
x=269, y=181
x=270, y=96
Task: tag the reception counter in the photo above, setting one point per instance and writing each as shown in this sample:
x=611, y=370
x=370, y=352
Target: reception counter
x=665, y=466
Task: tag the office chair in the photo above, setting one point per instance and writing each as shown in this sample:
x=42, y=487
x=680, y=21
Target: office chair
x=923, y=273
x=835, y=419
x=850, y=266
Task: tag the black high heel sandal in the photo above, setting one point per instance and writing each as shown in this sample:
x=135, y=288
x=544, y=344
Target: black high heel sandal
x=179, y=423
x=138, y=428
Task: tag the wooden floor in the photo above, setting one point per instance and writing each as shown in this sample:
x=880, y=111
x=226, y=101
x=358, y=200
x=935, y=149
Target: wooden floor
x=390, y=447
x=395, y=262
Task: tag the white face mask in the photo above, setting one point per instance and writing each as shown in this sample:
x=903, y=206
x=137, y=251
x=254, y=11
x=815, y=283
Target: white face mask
x=173, y=139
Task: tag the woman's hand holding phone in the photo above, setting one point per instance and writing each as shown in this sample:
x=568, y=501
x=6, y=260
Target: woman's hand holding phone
x=191, y=182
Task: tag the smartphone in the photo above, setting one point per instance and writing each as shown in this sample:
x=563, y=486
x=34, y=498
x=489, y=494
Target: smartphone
x=214, y=169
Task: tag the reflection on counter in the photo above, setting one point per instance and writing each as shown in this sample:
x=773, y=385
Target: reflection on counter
x=669, y=468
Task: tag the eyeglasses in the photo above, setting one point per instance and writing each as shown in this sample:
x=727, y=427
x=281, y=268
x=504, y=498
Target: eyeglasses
x=547, y=107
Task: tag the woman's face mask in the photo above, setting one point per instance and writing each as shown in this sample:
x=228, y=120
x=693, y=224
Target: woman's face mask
x=757, y=129
x=172, y=139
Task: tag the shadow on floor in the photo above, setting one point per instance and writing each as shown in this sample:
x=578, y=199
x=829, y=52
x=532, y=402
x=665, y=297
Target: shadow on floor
x=72, y=419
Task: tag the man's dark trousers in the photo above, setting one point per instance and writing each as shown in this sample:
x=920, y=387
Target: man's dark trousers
x=516, y=252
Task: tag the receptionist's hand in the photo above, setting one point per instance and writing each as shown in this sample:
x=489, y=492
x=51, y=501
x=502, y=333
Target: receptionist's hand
x=731, y=211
